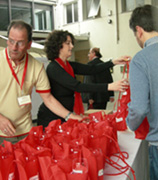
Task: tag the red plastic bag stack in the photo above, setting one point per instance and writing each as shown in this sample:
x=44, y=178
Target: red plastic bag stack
x=67, y=151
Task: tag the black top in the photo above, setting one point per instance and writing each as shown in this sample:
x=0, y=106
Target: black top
x=63, y=86
x=102, y=77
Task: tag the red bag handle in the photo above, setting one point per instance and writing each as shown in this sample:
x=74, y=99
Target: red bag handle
x=120, y=168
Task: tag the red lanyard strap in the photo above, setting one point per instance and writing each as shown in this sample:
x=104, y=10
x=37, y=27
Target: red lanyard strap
x=13, y=72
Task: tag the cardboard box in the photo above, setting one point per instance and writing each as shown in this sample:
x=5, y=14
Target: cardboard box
x=96, y=110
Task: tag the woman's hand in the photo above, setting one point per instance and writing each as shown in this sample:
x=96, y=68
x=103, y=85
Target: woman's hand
x=121, y=60
x=121, y=85
x=76, y=117
x=82, y=118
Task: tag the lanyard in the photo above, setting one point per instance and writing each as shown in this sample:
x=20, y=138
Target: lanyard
x=13, y=72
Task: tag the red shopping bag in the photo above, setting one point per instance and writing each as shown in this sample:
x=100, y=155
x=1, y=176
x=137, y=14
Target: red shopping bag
x=78, y=177
x=143, y=130
x=125, y=97
x=57, y=149
x=28, y=166
x=73, y=170
x=56, y=173
x=35, y=136
x=53, y=127
x=92, y=163
x=79, y=169
x=120, y=117
x=111, y=122
x=121, y=105
x=8, y=168
x=97, y=116
x=45, y=162
x=122, y=110
x=100, y=163
x=65, y=164
x=31, y=158
x=20, y=174
x=100, y=137
x=104, y=137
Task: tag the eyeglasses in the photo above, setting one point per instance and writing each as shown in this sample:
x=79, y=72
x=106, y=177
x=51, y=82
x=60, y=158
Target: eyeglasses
x=17, y=43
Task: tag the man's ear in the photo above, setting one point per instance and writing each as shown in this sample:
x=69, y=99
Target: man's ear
x=29, y=45
x=139, y=31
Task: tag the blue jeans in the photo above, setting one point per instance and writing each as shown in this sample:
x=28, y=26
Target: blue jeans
x=153, y=160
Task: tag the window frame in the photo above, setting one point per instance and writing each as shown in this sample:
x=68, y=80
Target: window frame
x=154, y=3
x=31, y=5
x=86, y=8
x=124, y=7
x=44, y=10
x=93, y=12
x=72, y=3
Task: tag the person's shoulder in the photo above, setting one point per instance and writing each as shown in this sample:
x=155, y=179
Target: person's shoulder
x=138, y=56
x=2, y=56
x=97, y=60
x=140, y=59
x=53, y=66
x=100, y=61
x=2, y=52
x=32, y=61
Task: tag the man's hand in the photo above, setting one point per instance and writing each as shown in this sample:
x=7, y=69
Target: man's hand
x=6, y=126
x=91, y=101
x=112, y=99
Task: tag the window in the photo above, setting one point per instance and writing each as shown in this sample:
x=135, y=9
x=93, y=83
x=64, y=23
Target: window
x=21, y=10
x=90, y=8
x=43, y=17
x=4, y=14
x=71, y=12
x=129, y=5
x=155, y=3
x=94, y=8
x=40, y=16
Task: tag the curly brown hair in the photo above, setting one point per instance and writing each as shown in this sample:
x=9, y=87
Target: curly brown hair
x=54, y=43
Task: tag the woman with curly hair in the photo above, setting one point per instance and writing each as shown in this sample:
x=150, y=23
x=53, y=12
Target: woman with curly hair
x=61, y=73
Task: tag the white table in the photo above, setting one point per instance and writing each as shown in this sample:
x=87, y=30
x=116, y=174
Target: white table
x=138, y=157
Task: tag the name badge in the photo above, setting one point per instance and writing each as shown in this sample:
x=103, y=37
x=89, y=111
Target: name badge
x=23, y=100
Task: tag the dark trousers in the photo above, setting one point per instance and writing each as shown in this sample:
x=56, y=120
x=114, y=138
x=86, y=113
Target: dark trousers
x=13, y=140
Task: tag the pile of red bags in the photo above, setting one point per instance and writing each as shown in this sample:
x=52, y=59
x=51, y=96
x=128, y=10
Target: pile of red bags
x=67, y=151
